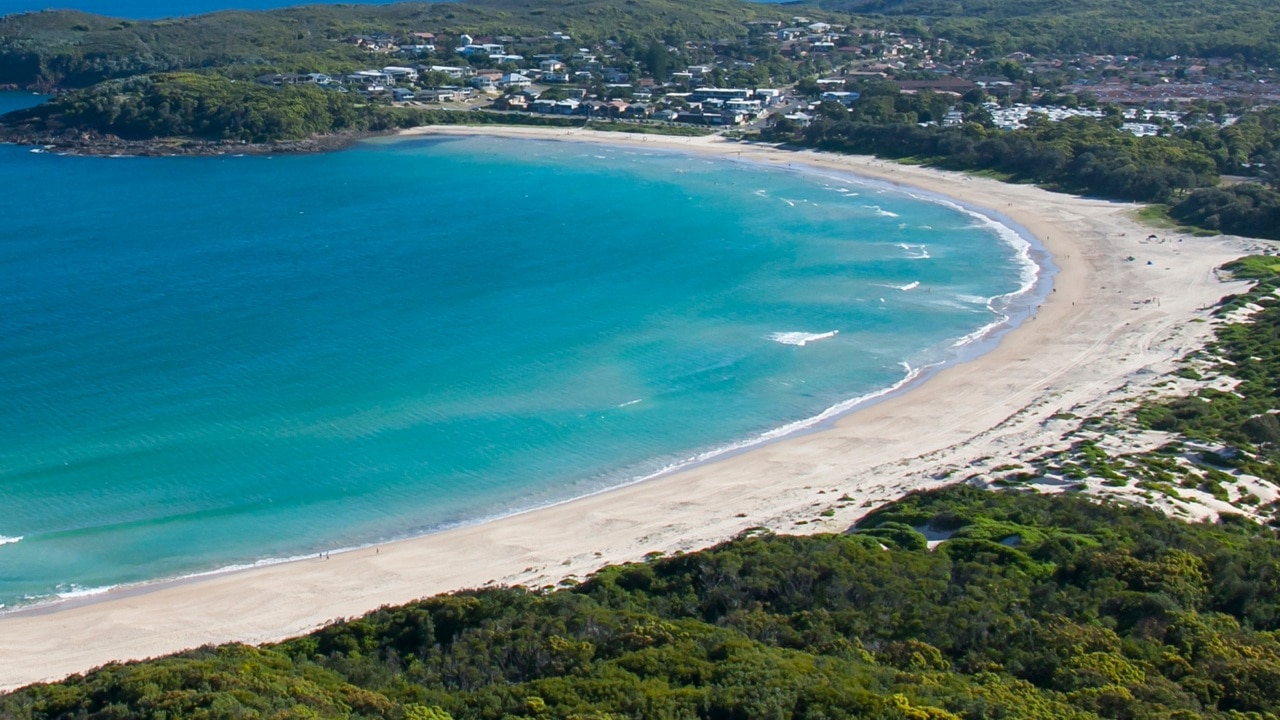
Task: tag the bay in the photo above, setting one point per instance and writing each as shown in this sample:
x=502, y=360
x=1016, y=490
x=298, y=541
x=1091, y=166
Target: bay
x=209, y=362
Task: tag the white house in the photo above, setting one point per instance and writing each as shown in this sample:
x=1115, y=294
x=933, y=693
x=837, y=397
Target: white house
x=370, y=77
x=515, y=80
x=485, y=49
x=400, y=74
x=453, y=72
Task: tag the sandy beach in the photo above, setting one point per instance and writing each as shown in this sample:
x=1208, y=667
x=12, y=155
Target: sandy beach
x=1108, y=332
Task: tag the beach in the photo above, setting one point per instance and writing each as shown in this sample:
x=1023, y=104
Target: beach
x=1109, y=331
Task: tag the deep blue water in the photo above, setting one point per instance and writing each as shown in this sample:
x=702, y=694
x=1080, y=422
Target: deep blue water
x=212, y=361
x=151, y=9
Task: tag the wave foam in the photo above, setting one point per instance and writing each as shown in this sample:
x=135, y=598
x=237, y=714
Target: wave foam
x=880, y=211
x=830, y=413
x=905, y=288
x=74, y=591
x=800, y=339
x=5, y=540
x=915, y=252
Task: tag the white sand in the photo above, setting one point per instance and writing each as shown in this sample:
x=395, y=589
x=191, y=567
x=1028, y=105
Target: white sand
x=1093, y=341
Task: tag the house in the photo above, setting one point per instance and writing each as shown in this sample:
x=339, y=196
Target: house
x=844, y=98
x=556, y=77
x=485, y=49
x=636, y=111
x=369, y=77
x=485, y=80
x=551, y=66
x=319, y=78
x=453, y=72
x=742, y=107
x=566, y=107
x=400, y=74
x=555, y=107
x=515, y=80
x=709, y=93
x=402, y=94
x=799, y=118
x=437, y=95
x=698, y=117
x=511, y=102
x=767, y=96
x=666, y=115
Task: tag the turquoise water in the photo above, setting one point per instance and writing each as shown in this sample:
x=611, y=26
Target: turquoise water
x=215, y=361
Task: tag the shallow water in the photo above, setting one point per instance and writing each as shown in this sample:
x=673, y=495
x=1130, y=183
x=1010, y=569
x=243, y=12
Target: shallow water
x=210, y=362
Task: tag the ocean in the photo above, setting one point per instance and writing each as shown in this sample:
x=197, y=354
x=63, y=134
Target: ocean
x=214, y=362
x=154, y=9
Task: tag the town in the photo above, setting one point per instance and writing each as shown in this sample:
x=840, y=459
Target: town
x=787, y=70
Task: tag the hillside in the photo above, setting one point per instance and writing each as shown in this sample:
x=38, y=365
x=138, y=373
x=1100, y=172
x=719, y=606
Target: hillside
x=73, y=49
x=1156, y=29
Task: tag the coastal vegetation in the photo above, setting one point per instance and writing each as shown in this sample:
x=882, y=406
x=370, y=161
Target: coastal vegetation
x=1246, y=351
x=211, y=108
x=202, y=106
x=1200, y=28
x=1034, y=606
x=1250, y=209
x=69, y=49
x=1083, y=155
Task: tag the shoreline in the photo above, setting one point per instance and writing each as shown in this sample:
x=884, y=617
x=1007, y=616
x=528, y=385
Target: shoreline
x=1084, y=341
x=1037, y=272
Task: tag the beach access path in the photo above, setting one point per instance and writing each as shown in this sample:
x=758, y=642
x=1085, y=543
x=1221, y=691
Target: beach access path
x=1098, y=337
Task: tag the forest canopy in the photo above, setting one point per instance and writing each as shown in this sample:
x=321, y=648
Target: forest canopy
x=1035, y=606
